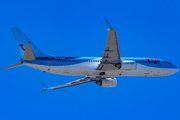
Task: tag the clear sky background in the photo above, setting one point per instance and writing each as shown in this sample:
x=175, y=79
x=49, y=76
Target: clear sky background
x=77, y=28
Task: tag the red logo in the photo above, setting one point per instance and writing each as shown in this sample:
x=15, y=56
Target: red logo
x=155, y=61
x=22, y=46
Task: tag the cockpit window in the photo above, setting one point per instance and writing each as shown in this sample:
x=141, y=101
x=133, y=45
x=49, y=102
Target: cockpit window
x=169, y=63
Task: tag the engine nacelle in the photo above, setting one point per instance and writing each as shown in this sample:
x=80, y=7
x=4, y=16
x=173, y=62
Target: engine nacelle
x=107, y=82
x=126, y=65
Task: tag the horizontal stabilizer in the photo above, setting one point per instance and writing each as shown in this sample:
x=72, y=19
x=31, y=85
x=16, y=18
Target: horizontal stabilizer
x=29, y=54
x=14, y=65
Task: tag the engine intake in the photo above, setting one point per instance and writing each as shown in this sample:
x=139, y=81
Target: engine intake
x=126, y=65
x=107, y=82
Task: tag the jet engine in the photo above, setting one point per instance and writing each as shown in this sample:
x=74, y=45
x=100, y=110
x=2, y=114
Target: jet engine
x=107, y=82
x=126, y=65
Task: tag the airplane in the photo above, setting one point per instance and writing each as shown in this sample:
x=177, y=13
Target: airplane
x=102, y=70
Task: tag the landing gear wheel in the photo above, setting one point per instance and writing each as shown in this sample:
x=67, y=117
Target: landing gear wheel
x=102, y=73
x=118, y=65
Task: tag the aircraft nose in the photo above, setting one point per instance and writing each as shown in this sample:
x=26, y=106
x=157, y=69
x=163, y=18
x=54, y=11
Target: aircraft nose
x=177, y=69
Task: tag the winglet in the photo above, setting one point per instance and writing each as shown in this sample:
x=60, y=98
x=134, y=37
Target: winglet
x=43, y=90
x=108, y=24
x=43, y=86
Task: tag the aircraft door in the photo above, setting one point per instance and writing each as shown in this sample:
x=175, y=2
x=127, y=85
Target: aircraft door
x=49, y=62
x=163, y=64
x=66, y=70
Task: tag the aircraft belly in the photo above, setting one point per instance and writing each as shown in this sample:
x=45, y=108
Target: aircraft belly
x=142, y=70
x=78, y=69
x=90, y=70
x=167, y=71
x=35, y=66
x=75, y=70
x=82, y=68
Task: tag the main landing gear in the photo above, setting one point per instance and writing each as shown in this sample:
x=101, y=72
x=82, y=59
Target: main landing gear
x=102, y=73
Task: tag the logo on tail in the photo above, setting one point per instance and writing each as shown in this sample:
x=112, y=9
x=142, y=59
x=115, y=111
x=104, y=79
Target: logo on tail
x=21, y=45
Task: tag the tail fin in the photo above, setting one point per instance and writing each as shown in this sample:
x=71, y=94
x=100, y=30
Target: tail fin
x=22, y=41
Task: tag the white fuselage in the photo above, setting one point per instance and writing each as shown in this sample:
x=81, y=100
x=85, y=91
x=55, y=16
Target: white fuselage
x=89, y=69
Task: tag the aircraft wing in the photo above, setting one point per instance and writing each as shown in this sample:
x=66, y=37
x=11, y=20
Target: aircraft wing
x=111, y=52
x=73, y=83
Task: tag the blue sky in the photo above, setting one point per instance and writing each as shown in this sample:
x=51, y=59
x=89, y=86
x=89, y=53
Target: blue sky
x=76, y=28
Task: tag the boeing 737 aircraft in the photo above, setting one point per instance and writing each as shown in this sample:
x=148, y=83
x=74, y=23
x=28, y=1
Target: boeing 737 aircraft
x=100, y=69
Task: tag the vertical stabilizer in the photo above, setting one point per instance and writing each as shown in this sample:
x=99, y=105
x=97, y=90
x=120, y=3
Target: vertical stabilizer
x=22, y=41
